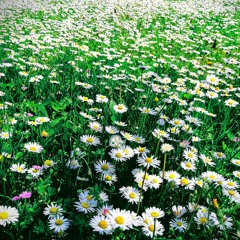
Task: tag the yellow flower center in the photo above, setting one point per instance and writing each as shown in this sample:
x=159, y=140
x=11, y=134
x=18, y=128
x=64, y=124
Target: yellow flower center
x=48, y=163
x=105, y=167
x=85, y=98
x=35, y=170
x=85, y=204
x=176, y=122
x=171, y=175
x=102, y=97
x=238, y=174
x=190, y=155
x=219, y=154
x=231, y=184
x=231, y=192
x=118, y=155
x=179, y=224
x=19, y=169
x=184, y=181
x=151, y=228
x=108, y=178
x=132, y=195
x=141, y=150
x=155, y=214
x=120, y=107
x=89, y=197
x=5, y=135
x=148, y=160
x=155, y=180
x=188, y=164
x=203, y=220
x=3, y=215
x=54, y=210
x=33, y=149
x=212, y=176
x=119, y=220
x=44, y=134
x=59, y=222
x=126, y=151
x=103, y=224
x=90, y=140
x=237, y=162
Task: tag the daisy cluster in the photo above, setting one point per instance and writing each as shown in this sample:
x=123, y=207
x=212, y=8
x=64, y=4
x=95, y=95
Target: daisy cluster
x=119, y=118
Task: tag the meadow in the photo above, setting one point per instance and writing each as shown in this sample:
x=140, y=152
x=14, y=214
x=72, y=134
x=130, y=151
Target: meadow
x=119, y=119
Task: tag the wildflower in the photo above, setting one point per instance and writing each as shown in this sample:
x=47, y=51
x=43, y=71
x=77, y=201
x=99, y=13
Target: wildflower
x=95, y=126
x=85, y=205
x=232, y=194
x=152, y=228
x=42, y=119
x=148, y=111
x=190, y=155
x=207, y=160
x=154, y=212
x=229, y=184
x=5, y=135
x=90, y=140
x=138, y=139
x=127, y=136
x=120, y=218
x=131, y=194
x=102, y=166
x=73, y=164
x=101, y=98
x=154, y=181
x=59, y=223
x=148, y=161
x=202, y=218
x=178, y=211
x=219, y=155
x=166, y=147
x=110, y=178
x=122, y=124
x=172, y=176
x=212, y=79
x=103, y=197
x=35, y=171
x=44, y=134
x=177, y=122
x=33, y=147
x=86, y=99
x=187, y=165
x=101, y=224
x=160, y=133
x=8, y=215
x=118, y=155
x=20, y=168
x=111, y=129
x=223, y=222
x=116, y=141
x=236, y=162
x=120, y=108
x=53, y=210
x=236, y=174
x=178, y=224
x=25, y=195
x=141, y=150
x=231, y=103
x=48, y=163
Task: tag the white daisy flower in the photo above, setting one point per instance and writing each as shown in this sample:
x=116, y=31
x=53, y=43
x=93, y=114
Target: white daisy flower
x=20, y=168
x=152, y=228
x=53, y=210
x=33, y=147
x=90, y=140
x=178, y=224
x=120, y=108
x=102, y=166
x=59, y=224
x=8, y=215
x=101, y=224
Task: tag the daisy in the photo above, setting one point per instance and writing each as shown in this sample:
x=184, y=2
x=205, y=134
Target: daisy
x=166, y=148
x=154, y=212
x=109, y=178
x=141, y=150
x=222, y=223
x=209, y=176
x=95, y=126
x=86, y=99
x=131, y=194
x=118, y=155
x=127, y=136
x=103, y=197
x=236, y=162
x=73, y=164
x=8, y=215
x=158, y=133
x=177, y=122
x=148, y=111
x=59, y=223
x=101, y=98
x=85, y=205
x=116, y=141
x=20, y=168
x=102, y=166
x=53, y=210
x=178, y=224
x=202, y=218
x=111, y=129
x=236, y=174
x=231, y=103
x=122, y=124
x=147, y=161
x=90, y=140
x=212, y=79
x=42, y=119
x=101, y=224
x=104, y=210
x=33, y=147
x=232, y=194
x=154, y=181
x=129, y=152
x=219, y=155
x=120, y=218
x=5, y=135
x=229, y=184
x=178, y=211
x=187, y=183
x=35, y=171
x=152, y=228
x=211, y=94
x=189, y=166
x=48, y=163
x=207, y=160
x=33, y=123
x=120, y=108
x=138, y=139
x=190, y=155
x=172, y=176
